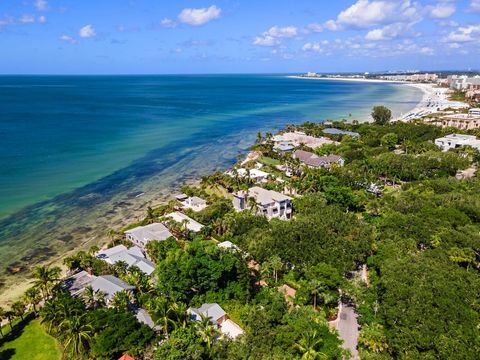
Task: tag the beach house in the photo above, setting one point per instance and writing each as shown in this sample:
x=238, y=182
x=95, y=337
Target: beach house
x=314, y=161
x=181, y=218
x=142, y=235
x=131, y=256
x=218, y=317
x=454, y=141
x=110, y=285
x=334, y=131
x=268, y=203
x=191, y=202
x=298, y=138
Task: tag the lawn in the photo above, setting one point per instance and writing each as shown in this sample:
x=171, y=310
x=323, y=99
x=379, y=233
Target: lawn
x=269, y=161
x=28, y=341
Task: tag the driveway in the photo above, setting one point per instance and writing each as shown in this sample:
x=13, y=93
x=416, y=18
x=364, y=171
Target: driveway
x=347, y=327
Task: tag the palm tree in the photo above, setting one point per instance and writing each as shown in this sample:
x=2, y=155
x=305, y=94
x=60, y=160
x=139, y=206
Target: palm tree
x=309, y=344
x=77, y=335
x=207, y=330
x=150, y=219
x=93, y=298
x=276, y=266
x=46, y=278
x=252, y=202
x=10, y=316
x=120, y=267
x=315, y=289
x=165, y=314
x=32, y=297
x=122, y=299
x=2, y=317
x=18, y=308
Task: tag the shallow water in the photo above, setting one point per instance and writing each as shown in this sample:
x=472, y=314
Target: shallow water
x=76, y=150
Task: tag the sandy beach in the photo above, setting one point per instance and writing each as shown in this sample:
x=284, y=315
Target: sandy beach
x=434, y=98
x=345, y=79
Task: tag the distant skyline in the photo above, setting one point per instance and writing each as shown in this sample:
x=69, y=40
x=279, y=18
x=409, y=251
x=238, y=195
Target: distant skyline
x=224, y=36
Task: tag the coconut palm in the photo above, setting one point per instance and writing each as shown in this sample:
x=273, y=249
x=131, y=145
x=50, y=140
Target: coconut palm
x=276, y=266
x=207, y=330
x=122, y=299
x=32, y=297
x=46, y=278
x=10, y=315
x=2, y=317
x=93, y=299
x=309, y=345
x=165, y=314
x=77, y=335
x=18, y=309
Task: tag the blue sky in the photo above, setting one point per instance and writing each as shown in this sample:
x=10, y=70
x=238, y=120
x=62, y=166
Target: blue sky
x=226, y=36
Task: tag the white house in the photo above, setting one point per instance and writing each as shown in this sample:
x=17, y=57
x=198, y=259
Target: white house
x=192, y=202
x=142, y=235
x=256, y=175
x=133, y=257
x=269, y=203
x=218, y=317
x=457, y=140
x=110, y=285
x=191, y=224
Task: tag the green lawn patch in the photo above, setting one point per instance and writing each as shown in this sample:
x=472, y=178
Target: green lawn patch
x=269, y=161
x=28, y=341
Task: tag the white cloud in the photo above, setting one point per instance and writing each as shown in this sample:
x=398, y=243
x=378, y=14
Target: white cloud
x=197, y=17
x=87, y=31
x=27, y=19
x=272, y=36
x=332, y=25
x=427, y=51
x=441, y=10
x=367, y=13
x=315, y=27
x=464, y=34
x=475, y=5
x=388, y=32
x=41, y=5
x=68, y=39
x=42, y=19
x=313, y=47
x=168, y=23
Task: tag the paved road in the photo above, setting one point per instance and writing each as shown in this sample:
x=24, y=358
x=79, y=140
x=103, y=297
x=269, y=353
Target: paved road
x=347, y=327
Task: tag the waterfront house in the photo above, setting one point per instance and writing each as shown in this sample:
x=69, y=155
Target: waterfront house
x=181, y=218
x=269, y=203
x=110, y=285
x=133, y=256
x=283, y=147
x=453, y=141
x=298, y=138
x=334, y=131
x=314, y=161
x=256, y=175
x=218, y=317
x=142, y=235
x=191, y=202
x=76, y=283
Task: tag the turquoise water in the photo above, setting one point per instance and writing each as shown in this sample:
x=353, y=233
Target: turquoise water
x=76, y=149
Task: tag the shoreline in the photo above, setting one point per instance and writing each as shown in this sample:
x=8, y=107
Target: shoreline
x=378, y=81
x=434, y=98
x=116, y=213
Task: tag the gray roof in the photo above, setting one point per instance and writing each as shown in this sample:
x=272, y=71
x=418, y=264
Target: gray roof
x=266, y=197
x=155, y=231
x=213, y=311
x=334, y=131
x=284, y=146
x=110, y=285
x=195, y=200
x=133, y=257
x=75, y=284
x=144, y=317
x=314, y=160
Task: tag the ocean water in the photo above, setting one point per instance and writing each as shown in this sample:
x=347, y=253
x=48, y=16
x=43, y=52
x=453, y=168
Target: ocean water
x=76, y=151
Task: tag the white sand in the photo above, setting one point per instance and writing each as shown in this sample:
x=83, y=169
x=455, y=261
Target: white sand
x=434, y=99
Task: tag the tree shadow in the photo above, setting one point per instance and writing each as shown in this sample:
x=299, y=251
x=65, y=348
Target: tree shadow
x=7, y=354
x=16, y=332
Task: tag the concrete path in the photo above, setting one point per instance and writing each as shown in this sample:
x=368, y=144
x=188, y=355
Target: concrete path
x=347, y=327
